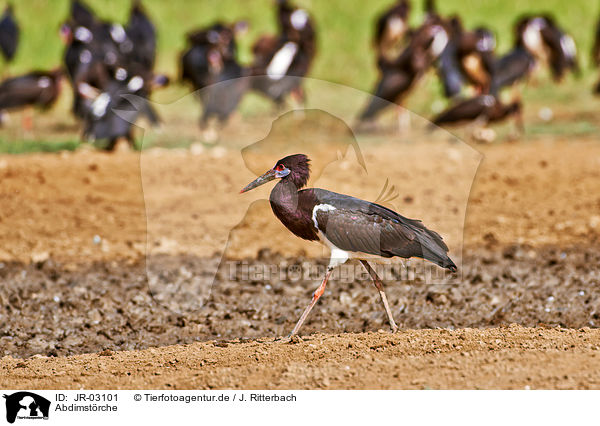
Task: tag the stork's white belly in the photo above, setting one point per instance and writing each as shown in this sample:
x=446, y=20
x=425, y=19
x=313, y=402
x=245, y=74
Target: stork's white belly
x=282, y=60
x=340, y=256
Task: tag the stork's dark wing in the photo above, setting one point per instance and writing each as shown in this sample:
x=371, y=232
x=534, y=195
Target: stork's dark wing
x=469, y=109
x=360, y=232
x=558, y=62
x=449, y=70
x=360, y=226
x=194, y=66
x=20, y=91
x=142, y=33
x=82, y=15
x=510, y=68
x=380, y=26
x=222, y=99
x=391, y=86
x=9, y=35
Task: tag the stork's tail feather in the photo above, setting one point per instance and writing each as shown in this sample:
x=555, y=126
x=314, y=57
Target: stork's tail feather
x=440, y=259
x=449, y=264
x=434, y=249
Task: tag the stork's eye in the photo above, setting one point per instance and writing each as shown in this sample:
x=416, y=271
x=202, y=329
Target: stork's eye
x=280, y=167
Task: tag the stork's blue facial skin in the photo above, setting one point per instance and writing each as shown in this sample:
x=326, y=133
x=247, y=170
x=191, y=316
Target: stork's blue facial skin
x=282, y=173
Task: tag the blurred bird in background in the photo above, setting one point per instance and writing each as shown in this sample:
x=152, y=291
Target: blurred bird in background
x=9, y=34
x=110, y=68
x=280, y=60
x=211, y=66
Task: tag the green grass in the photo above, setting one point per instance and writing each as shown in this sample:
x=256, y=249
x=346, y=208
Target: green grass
x=574, y=128
x=344, y=27
x=345, y=55
x=26, y=146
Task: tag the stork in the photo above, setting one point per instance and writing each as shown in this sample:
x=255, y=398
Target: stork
x=350, y=227
x=400, y=75
x=488, y=108
x=37, y=88
x=391, y=28
x=9, y=34
x=280, y=60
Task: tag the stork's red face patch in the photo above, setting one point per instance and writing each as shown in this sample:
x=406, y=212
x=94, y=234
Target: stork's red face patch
x=281, y=171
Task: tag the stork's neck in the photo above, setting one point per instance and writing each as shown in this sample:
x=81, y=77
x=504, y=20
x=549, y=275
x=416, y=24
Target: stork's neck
x=294, y=208
x=284, y=197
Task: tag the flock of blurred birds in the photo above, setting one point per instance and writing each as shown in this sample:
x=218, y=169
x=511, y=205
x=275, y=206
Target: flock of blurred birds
x=110, y=67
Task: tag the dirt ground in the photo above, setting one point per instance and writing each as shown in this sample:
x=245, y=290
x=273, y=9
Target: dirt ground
x=538, y=193
x=507, y=357
x=78, y=310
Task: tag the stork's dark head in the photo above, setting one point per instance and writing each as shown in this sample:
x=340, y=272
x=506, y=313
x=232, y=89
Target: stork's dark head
x=293, y=168
x=456, y=25
x=404, y=7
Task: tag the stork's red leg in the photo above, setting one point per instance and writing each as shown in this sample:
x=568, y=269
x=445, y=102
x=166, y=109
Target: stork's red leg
x=379, y=286
x=27, y=120
x=403, y=119
x=318, y=293
x=298, y=96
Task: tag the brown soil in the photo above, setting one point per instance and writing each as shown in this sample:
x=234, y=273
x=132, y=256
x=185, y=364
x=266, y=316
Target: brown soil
x=53, y=311
x=508, y=357
x=536, y=193
x=74, y=231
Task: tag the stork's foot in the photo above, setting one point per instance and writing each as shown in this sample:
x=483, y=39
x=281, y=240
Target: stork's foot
x=379, y=285
x=210, y=136
x=316, y=295
x=293, y=339
x=290, y=339
x=484, y=135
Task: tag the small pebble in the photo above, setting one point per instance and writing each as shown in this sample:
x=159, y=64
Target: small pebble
x=437, y=106
x=546, y=114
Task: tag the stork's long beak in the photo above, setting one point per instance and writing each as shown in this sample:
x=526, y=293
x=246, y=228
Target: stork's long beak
x=267, y=177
